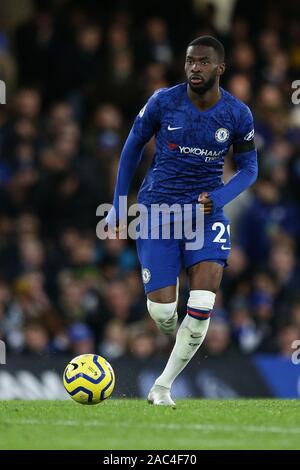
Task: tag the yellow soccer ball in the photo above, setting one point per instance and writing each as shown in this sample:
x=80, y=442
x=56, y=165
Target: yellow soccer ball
x=89, y=379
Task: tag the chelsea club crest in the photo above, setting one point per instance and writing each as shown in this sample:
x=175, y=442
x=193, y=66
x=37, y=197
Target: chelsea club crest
x=146, y=275
x=222, y=134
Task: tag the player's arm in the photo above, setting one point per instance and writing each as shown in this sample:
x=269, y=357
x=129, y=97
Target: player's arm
x=245, y=157
x=145, y=126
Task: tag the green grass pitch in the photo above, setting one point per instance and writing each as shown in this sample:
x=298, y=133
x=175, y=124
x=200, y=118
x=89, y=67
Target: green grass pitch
x=133, y=424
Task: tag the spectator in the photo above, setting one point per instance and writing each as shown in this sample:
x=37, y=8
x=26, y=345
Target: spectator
x=287, y=336
x=217, y=341
x=114, y=340
x=142, y=345
x=81, y=339
x=75, y=80
x=36, y=339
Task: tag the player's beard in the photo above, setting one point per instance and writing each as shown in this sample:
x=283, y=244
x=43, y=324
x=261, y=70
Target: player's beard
x=200, y=90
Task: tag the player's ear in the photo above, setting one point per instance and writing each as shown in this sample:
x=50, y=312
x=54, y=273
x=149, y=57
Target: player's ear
x=221, y=68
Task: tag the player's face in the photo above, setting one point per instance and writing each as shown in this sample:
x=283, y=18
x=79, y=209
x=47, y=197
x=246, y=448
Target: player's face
x=202, y=68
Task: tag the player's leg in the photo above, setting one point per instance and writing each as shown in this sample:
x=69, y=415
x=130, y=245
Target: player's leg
x=162, y=307
x=160, y=260
x=205, y=269
x=161, y=264
x=205, y=278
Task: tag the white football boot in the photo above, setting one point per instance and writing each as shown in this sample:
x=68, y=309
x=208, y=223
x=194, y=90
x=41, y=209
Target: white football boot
x=159, y=395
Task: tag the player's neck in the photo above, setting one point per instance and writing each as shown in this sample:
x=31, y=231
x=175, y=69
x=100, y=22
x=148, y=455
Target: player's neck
x=207, y=100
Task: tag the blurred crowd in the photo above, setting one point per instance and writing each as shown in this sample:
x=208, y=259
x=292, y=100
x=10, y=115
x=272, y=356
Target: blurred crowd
x=76, y=74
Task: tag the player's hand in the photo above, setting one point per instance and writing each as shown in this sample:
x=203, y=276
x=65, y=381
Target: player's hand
x=207, y=204
x=116, y=231
x=115, y=227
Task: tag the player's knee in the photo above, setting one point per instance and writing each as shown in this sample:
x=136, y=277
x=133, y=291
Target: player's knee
x=202, y=299
x=161, y=312
x=199, y=307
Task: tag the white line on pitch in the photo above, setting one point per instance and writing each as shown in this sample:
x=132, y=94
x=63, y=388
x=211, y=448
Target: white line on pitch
x=172, y=426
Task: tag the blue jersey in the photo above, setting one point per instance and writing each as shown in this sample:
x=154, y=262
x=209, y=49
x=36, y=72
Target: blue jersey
x=190, y=149
x=190, y=144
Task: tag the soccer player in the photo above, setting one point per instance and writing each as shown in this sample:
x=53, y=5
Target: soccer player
x=194, y=124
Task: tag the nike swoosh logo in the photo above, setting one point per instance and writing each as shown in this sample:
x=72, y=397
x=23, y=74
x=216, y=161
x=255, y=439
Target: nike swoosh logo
x=225, y=248
x=75, y=366
x=173, y=128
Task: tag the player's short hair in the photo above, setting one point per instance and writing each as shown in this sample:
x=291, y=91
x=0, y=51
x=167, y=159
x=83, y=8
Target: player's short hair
x=211, y=42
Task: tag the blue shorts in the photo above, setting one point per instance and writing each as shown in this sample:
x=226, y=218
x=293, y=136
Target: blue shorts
x=162, y=259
